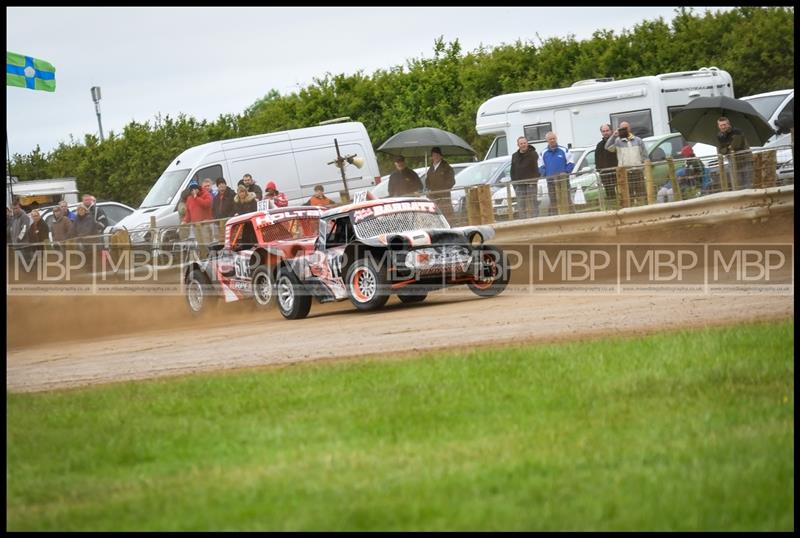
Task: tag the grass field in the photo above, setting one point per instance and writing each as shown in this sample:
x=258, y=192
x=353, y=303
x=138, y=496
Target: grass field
x=683, y=430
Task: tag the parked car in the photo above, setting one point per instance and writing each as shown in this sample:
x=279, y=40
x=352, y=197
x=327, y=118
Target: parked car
x=115, y=212
x=368, y=251
x=244, y=266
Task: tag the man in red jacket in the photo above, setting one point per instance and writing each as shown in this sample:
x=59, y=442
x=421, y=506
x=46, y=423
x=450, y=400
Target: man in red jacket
x=198, y=209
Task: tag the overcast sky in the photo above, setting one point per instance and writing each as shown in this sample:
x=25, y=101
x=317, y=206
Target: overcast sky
x=210, y=61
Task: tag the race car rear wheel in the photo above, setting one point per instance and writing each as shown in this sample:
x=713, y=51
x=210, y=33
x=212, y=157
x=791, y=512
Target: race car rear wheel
x=366, y=285
x=491, y=273
x=198, y=292
x=411, y=298
x=293, y=301
x=263, y=287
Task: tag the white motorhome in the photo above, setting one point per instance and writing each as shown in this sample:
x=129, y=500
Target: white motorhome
x=41, y=192
x=576, y=113
x=295, y=160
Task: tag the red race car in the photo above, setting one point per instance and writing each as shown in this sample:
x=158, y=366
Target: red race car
x=245, y=265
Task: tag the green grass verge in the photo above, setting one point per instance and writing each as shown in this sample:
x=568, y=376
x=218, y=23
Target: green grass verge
x=683, y=430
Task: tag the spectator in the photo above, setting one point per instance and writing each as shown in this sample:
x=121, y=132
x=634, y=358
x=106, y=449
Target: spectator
x=403, y=181
x=9, y=218
x=98, y=215
x=20, y=224
x=731, y=142
x=247, y=181
x=62, y=226
x=198, y=204
x=65, y=210
x=524, y=175
x=319, y=198
x=606, y=163
x=244, y=201
x=631, y=154
x=693, y=174
x=273, y=197
x=223, y=201
x=440, y=179
x=665, y=193
x=38, y=232
x=85, y=225
x=556, y=167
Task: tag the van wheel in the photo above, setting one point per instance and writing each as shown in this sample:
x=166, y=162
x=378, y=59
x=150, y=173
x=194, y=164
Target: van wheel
x=293, y=301
x=199, y=293
x=263, y=287
x=366, y=285
x=491, y=276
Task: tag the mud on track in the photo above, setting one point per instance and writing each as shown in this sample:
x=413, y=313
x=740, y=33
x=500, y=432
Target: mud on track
x=60, y=342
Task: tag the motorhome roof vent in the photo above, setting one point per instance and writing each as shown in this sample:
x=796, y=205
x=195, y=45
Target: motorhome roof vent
x=592, y=81
x=335, y=120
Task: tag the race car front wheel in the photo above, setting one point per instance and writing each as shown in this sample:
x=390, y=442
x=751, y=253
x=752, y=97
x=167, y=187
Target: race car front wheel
x=491, y=275
x=198, y=290
x=366, y=285
x=263, y=287
x=293, y=301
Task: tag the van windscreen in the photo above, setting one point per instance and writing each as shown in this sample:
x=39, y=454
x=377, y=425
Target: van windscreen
x=165, y=190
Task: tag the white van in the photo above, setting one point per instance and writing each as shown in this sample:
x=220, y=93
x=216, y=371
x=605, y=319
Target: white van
x=576, y=113
x=295, y=160
x=770, y=105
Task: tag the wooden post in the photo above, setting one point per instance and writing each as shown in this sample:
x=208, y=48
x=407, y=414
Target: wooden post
x=648, y=182
x=676, y=189
x=344, y=196
x=734, y=171
x=222, y=230
x=562, y=188
x=758, y=171
x=601, y=193
x=770, y=177
x=473, y=207
x=485, y=204
x=723, y=174
x=622, y=186
x=510, y=202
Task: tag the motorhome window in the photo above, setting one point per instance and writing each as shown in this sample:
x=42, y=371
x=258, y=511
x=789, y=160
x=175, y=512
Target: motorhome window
x=671, y=111
x=641, y=121
x=211, y=172
x=537, y=132
x=767, y=105
x=166, y=189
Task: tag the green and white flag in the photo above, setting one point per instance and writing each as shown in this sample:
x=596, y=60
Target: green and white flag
x=27, y=72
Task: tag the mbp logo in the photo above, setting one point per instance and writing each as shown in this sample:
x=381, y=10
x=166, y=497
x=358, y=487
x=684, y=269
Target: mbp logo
x=574, y=264
x=750, y=264
x=665, y=264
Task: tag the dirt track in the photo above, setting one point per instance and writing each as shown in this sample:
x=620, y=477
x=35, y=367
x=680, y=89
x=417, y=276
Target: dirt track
x=67, y=342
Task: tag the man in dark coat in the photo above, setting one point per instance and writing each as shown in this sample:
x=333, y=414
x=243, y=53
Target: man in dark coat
x=440, y=179
x=606, y=163
x=247, y=181
x=524, y=176
x=403, y=181
x=223, y=202
x=731, y=142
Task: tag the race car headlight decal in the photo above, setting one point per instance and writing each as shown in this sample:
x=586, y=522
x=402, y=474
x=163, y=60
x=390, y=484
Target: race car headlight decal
x=428, y=258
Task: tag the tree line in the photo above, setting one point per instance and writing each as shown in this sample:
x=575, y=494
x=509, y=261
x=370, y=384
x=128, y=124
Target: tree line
x=755, y=45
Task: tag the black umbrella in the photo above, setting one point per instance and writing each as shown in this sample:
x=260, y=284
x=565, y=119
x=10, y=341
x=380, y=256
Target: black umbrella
x=697, y=121
x=785, y=121
x=418, y=142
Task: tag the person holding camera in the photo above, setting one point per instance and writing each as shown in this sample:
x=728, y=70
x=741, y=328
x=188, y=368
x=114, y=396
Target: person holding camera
x=631, y=153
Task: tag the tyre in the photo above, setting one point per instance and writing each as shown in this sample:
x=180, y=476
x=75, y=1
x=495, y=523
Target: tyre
x=366, y=285
x=263, y=287
x=491, y=273
x=199, y=293
x=293, y=302
x=409, y=298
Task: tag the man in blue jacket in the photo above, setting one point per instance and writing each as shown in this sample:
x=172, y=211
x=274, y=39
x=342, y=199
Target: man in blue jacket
x=554, y=163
